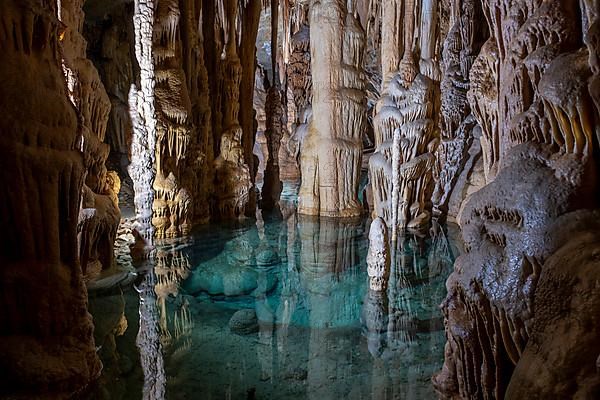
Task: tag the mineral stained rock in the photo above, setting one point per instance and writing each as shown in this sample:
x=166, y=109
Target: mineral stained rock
x=47, y=335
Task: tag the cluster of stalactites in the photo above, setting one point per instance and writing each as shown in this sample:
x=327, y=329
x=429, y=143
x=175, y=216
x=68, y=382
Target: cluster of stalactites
x=406, y=135
x=173, y=198
x=513, y=83
x=99, y=215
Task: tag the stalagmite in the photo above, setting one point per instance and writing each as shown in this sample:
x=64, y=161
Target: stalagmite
x=401, y=170
x=378, y=259
x=143, y=118
x=331, y=152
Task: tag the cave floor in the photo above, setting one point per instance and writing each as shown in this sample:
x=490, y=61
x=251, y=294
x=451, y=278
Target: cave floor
x=281, y=310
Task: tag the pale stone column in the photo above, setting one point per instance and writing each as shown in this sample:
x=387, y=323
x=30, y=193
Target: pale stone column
x=143, y=118
x=332, y=151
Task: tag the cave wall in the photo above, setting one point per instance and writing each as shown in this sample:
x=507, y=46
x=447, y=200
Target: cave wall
x=99, y=215
x=45, y=328
x=520, y=316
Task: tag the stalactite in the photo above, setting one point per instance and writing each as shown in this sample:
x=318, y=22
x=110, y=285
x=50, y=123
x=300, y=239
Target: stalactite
x=143, y=118
x=530, y=94
x=458, y=125
x=99, y=215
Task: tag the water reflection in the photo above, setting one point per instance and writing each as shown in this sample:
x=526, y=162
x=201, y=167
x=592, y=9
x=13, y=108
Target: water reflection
x=280, y=308
x=148, y=340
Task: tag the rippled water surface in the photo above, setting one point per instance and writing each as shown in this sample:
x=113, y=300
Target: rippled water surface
x=278, y=309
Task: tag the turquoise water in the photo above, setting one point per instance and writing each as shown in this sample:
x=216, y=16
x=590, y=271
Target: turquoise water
x=276, y=309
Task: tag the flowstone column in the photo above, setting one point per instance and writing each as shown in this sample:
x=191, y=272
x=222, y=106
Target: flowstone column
x=332, y=150
x=143, y=118
x=406, y=135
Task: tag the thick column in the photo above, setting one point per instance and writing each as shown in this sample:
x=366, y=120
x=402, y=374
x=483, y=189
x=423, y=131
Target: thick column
x=332, y=150
x=46, y=341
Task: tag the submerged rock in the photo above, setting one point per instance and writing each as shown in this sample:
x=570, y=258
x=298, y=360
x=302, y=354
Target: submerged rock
x=228, y=281
x=244, y=322
x=266, y=256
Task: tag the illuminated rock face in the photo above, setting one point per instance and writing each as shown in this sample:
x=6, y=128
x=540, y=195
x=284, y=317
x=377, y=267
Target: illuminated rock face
x=406, y=135
x=99, y=215
x=47, y=343
x=143, y=118
x=528, y=232
x=331, y=152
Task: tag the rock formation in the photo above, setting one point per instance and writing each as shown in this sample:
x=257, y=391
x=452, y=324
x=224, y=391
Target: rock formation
x=47, y=344
x=378, y=259
x=99, y=214
x=530, y=95
x=401, y=170
x=299, y=83
x=179, y=156
x=458, y=125
x=331, y=152
x=143, y=119
x=234, y=164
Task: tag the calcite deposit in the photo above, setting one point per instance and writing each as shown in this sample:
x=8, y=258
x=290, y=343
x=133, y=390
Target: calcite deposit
x=406, y=135
x=47, y=341
x=331, y=152
x=481, y=113
x=530, y=95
